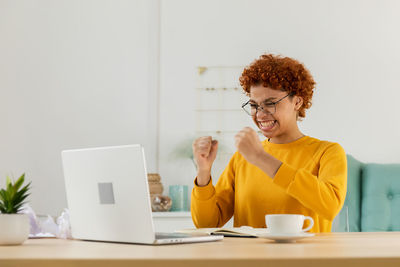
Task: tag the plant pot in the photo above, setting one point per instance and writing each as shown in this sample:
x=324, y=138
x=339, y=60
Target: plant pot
x=14, y=229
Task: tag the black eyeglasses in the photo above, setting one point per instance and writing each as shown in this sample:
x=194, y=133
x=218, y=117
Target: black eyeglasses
x=268, y=107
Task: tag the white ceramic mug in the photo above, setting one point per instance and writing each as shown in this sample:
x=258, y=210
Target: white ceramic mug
x=287, y=223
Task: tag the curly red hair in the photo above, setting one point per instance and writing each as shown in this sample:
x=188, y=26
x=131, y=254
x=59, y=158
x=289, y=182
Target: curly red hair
x=280, y=73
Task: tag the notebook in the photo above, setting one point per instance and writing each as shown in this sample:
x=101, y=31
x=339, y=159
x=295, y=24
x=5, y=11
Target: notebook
x=244, y=231
x=108, y=197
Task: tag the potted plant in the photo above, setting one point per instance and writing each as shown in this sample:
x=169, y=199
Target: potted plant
x=14, y=226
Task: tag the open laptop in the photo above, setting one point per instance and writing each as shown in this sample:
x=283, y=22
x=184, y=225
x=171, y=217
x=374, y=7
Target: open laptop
x=108, y=197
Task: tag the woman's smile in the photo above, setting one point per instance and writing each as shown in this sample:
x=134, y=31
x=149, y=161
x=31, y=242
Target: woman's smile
x=267, y=125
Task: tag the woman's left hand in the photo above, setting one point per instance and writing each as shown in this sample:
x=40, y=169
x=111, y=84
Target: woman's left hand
x=249, y=145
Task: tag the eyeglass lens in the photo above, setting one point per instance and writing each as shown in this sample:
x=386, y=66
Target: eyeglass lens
x=252, y=108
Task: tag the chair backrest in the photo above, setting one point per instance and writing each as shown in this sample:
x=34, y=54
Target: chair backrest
x=380, y=209
x=373, y=196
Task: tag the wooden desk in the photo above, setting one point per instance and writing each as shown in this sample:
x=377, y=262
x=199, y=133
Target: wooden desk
x=336, y=249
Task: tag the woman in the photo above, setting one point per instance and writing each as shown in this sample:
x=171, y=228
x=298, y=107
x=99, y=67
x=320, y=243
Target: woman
x=288, y=173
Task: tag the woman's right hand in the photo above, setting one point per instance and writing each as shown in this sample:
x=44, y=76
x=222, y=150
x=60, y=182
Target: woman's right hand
x=204, y=153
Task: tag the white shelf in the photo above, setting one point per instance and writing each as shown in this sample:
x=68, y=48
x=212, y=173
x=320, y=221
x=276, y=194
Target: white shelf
x=218, y=88
x=172, y=221
x=172, y=214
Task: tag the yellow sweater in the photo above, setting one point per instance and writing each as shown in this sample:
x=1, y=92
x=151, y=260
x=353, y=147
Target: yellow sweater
x=312, y=181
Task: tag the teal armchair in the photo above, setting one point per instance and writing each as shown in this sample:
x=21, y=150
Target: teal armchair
x=373, y=196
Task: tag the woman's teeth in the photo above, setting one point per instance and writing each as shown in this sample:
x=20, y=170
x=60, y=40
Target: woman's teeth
x=267, y=125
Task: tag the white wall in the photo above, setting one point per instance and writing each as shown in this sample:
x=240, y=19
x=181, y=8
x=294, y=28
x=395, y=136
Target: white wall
x=350, y=47
x=74, y=74
x=85, y=73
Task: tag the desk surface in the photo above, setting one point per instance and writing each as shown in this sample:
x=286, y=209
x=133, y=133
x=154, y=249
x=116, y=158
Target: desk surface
x=333, y=249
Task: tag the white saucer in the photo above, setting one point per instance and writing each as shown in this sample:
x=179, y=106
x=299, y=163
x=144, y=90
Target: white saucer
x=285, y=238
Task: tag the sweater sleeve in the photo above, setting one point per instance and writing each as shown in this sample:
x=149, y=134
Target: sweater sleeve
x=324, y=193
x=213, y=206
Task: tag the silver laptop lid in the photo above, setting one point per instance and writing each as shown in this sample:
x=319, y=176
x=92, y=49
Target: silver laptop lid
x=108, y=195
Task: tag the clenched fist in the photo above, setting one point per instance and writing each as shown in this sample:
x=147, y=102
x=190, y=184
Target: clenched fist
x=204, y=153
x=249, y=145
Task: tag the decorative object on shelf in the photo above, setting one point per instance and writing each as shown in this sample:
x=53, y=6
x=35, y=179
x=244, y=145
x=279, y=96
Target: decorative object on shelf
x=158, y=201
x=201, y=70
x=155, y=185
x=179, y=196
x=14, y=226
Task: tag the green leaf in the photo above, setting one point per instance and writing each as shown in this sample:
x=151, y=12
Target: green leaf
x=19, y=207
x=8, y=180
x=22, y=191
x=10, y=187
x=2, y=195
x=13, y=197
x=19, y=182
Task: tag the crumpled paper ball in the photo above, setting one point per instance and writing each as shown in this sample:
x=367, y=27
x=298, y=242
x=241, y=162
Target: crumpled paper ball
x=47, y=227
